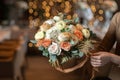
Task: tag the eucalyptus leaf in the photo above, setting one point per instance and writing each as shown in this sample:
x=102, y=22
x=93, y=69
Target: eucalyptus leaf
x=45, y=53
x=68, y=21
x=75, y=51
x=72, y=42
x=41, y=48
x=53, y=58
x=81, y=54
x=33, y=41
x=76, y=20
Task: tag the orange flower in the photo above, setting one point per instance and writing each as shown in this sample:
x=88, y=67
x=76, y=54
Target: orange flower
x=65, y=46
x=39, y=43
x=79, y=27
x=78, y=34
x=46, y=42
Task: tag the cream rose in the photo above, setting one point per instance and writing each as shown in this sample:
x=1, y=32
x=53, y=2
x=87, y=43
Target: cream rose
x=54, y=49
x=39, y=35
x=86, y=33
x=60, y=25
x=65, y=36
x=45, y=27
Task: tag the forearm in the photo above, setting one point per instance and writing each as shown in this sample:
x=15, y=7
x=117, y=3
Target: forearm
x=115, y=59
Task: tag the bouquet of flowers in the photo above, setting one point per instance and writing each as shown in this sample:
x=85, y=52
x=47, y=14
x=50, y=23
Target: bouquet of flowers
x=62, y=39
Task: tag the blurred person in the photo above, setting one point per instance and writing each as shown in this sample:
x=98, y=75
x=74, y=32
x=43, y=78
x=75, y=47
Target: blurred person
x=102, y=55
x=84, y=12
x=110, y=7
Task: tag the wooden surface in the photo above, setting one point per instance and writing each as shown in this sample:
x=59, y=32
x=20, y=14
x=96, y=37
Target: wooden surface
x=40, y=69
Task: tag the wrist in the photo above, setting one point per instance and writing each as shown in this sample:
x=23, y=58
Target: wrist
x=115, y=59
x=112, y=58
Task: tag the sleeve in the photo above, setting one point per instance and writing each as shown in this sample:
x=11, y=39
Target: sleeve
x=110, y=37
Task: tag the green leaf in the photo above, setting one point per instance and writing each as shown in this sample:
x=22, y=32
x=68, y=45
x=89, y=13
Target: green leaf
x=76, y=20
x=64, y=59
x=33, y=41
x=41, y=48
x=63, y=30
x=81, y=54
x=45, y=53
x=67, y=29
x=68, y=21
x=53, y=58
x=72, y=42
x=75, y=51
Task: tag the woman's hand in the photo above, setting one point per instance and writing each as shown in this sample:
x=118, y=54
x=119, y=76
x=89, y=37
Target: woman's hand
x=100, y=58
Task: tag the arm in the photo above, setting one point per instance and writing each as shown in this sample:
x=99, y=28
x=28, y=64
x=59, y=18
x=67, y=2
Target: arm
x=110, y=37
x=115, y=59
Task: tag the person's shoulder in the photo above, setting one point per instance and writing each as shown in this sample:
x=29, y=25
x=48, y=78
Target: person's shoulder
x=117, y=15
x=116, y=18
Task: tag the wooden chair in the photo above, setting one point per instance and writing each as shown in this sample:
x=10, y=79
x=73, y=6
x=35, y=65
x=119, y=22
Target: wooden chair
x=11, y=60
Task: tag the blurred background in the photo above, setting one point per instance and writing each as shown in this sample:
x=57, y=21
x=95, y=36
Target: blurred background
x=20, y=20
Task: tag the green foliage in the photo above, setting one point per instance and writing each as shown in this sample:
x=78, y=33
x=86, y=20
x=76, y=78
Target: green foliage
x=33, y=41
x=52, y=58
x=41, y=48
x=45, y=53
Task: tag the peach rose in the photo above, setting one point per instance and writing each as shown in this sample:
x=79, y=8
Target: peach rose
x=78, y=34
x=79, y=26
x=64, y=36
x=45, y=27
x=39, y=43
x=46, y=42
x=65, y=46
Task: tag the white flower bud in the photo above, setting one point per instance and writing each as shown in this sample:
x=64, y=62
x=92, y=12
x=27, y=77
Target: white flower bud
x=56, y=18
x=86, y=33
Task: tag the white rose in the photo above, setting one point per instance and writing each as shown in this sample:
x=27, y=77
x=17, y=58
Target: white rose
x=52, y=33
x=39, y=35
x=86, y=33
x=54, y=49
x=60, y=25
x=56, y=18
x=50, y=21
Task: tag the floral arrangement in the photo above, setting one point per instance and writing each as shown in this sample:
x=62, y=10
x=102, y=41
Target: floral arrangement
x=62, y=39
